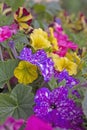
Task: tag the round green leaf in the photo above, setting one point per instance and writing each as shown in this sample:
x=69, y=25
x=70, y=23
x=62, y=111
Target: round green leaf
x=18, y=104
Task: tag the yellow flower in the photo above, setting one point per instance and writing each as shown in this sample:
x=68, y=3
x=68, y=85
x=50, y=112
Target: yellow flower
x=39, y=39
x=23, y=18
x=75, y=58
x=25, y=72
x=53, y=40
x=62, y=63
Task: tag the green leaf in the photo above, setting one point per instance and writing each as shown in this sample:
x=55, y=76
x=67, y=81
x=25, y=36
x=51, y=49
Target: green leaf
x=21, y=38
x=53, y=83
x=6, y=70
x=18, y=104
x=7, y=106
x=84, y=104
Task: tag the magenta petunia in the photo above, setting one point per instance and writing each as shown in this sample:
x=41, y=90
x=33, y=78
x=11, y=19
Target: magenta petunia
x=6, y=32
x=12, y=124
x=63, y=41
x=34, y=123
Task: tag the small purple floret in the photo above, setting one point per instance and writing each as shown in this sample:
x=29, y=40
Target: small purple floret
x=70, y=81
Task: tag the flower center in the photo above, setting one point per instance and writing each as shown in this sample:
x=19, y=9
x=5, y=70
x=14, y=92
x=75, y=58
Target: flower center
x=53, y=106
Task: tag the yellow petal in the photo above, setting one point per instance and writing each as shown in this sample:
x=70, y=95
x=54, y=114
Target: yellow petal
x=26, y=72
x=24, y=25
x=25, y=18
x=20, y=12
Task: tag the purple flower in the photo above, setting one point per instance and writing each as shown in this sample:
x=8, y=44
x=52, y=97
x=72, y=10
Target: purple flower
x=76, y=93
x=41, y=60
x=12, y=124
x=70, y=81
x=56, y=108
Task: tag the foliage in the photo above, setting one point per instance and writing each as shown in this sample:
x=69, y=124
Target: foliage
x=17, y=104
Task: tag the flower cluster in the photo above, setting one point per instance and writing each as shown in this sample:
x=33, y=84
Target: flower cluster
x=39, y=59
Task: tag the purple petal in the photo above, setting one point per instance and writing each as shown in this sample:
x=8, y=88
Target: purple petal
x=42, y=95
x=60, y=93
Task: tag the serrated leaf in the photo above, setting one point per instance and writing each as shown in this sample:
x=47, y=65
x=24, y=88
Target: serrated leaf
x=6, y=70
x=7, y=106
x=18, y=104
x=84, y=104
x=21, y=38
x=53, y=83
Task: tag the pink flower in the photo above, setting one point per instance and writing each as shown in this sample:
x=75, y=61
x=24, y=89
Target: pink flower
x=7, y=32
x=35, y=123
x=63, y=41
x=12, y=124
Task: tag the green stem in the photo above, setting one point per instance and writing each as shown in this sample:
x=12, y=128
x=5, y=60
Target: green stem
x=9, y=87
x=43, y=83
x=10, y=54
x=1, y=56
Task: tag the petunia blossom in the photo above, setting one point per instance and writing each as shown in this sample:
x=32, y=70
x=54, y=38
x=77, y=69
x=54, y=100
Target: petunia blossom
x=12, y=124
x=26, y=72
x=6, y=32
x=63, y=63
x=58, y=109
x=39, y=39
x=63, y=41
x=34, y=123
x=23, y=18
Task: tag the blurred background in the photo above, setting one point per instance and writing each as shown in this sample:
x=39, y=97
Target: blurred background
x=72, y=14
x=72, y=6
